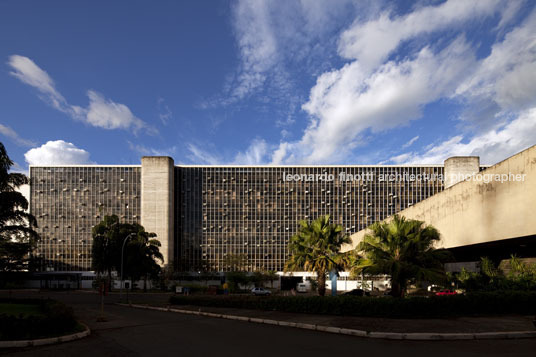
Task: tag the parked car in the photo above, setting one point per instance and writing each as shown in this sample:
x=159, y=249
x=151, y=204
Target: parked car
x=356, y=292
x=260, y=292
x=302, y=288
x=446, y=292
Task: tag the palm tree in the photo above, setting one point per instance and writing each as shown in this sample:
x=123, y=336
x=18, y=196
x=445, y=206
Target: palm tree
x=316, y=248
x=105, y=251
x=17, y=236
x=404, y=250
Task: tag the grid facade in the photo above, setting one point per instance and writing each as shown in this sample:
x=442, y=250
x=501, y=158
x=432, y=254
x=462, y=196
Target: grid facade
x=220, y=211
x=68, y=201
x=253, y=211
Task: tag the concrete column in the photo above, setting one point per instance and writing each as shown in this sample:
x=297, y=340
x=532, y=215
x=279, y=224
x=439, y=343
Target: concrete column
x=459, y=167
x=157, y=201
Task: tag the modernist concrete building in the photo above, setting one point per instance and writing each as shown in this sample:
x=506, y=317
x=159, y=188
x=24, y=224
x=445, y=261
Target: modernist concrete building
x=207, y=216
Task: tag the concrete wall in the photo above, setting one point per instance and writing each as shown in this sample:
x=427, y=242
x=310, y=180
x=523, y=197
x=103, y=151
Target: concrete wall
x=474, y=211
x=157, y=191
x=459, y=167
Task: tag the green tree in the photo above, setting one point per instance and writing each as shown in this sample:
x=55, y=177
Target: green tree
x=520, y=268
x=316, y=248
x=235, y=278
x=271, y=276
x=17, y=235
x=403, y=249
x=488, y=268
x=141, y=252
x=141, y=255
x=236, y=261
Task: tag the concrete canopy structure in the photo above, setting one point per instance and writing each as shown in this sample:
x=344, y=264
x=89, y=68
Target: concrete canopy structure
x=490, y=213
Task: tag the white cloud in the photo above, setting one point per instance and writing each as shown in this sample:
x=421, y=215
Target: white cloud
x=371, y=42
x=57, y=152
x=345, y=102
x=508, y=75
x=492, y=146
x=369, y=94
x=147, y=151
x=281, y=153
x=165, y=114
x=256, y=42
x=104, y=113
x=10, y=133
x=101, y=112
x=255, y=154
x=202, y=156
x=272, y=34
x=410, y=142
x=29, y=73
x=510, y=11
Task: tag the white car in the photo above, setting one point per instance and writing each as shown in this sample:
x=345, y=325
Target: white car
x=302, y=288
x=260, y=291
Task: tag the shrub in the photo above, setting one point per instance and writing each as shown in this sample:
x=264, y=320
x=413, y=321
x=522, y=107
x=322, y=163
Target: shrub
x=480, y=303
x=56, y=319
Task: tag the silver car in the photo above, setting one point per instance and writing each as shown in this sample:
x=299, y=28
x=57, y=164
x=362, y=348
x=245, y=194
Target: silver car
x=260, y=291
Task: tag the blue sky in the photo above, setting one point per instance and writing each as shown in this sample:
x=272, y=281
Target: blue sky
x=266, y=82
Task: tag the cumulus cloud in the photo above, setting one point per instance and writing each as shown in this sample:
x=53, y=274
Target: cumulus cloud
x=373, y=93
x=104, y=113
x=346, y=102
x=101, y=112
x=507, y=77
x=370, y=43
x=501, y=97
x=10, y=133
x=57, y=152
x=492, y=146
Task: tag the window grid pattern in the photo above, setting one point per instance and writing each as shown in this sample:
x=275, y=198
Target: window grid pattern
x=254, y=211
x=68, y=201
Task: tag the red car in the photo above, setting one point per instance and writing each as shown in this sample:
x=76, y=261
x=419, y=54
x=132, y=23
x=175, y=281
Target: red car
x=446, y=292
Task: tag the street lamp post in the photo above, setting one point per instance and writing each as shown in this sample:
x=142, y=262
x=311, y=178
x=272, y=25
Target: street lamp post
x=122, y=251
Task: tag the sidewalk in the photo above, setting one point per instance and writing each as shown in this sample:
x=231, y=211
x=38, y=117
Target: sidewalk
x=447, y=325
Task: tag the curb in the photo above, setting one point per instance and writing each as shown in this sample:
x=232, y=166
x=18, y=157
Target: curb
x=47, y=341
x=414, y=336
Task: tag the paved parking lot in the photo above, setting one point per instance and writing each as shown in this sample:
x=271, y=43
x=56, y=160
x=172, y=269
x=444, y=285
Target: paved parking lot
x=132, y=332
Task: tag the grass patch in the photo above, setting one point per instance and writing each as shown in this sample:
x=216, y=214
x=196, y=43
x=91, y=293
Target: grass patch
x=33, y=318
x=20, y=309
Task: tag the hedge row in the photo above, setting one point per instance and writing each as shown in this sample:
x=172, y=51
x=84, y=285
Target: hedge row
x=481, y=303
x=56, y=319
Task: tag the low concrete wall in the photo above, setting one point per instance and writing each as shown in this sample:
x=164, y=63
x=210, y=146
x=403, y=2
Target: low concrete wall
x=476, y=211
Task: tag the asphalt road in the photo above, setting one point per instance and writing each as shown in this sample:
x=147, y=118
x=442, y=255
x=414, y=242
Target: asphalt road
x=133, y=332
